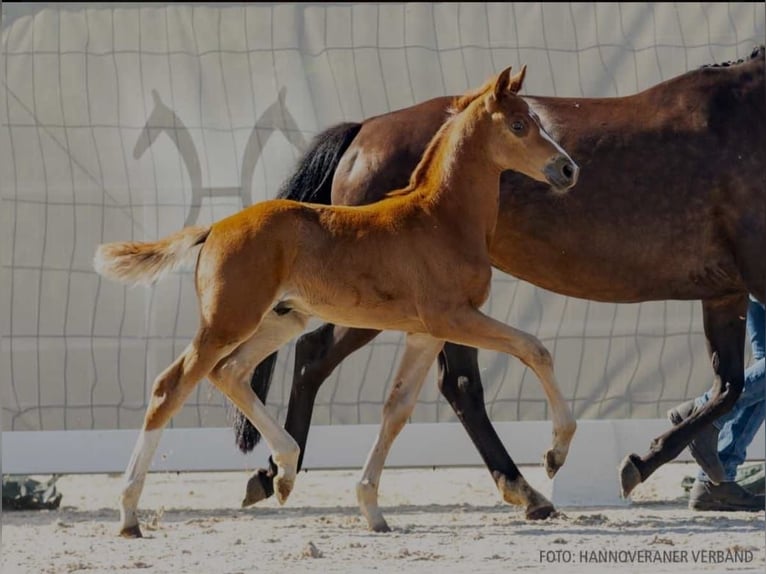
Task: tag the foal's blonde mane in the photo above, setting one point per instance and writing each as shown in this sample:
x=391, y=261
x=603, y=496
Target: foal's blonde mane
x=462, y=102
x=434, y=149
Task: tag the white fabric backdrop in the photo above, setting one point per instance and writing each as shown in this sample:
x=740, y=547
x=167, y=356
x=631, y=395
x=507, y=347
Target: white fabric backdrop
x=232, y=94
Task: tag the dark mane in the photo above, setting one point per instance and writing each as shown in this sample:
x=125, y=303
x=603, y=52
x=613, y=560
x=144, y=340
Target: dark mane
x=757, y=52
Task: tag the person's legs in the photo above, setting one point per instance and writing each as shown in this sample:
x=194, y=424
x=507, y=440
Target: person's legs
x=722, y=446
x=752, y=394
x=756, y=325
x=735, y=437
x=704, y=446
x=737, y=430
x=738, y=427
x=732, y=432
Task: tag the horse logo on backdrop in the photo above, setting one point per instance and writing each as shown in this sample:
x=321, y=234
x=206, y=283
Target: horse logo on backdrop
x=162, y=119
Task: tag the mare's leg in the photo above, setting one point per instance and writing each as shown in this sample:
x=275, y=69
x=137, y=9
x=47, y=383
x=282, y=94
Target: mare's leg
x=170, y=390
x=468, y=326
x=232, y=377
x=724, y=321
x=418, y=357
x=460, y=383
x=316, y=356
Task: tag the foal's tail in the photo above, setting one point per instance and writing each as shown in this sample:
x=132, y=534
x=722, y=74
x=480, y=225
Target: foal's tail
x=145, y=263
x=311, y=182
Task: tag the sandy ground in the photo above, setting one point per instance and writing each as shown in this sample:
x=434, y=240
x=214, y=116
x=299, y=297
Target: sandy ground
x=443, y=520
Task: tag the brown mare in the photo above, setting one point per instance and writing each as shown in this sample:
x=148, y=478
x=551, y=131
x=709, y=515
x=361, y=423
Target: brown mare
x=417, y=261
x=670, y=205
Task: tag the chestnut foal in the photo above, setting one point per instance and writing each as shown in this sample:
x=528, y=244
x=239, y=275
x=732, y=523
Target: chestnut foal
x=418, y=262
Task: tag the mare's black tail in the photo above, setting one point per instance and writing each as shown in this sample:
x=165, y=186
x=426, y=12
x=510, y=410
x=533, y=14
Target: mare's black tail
x=311, y=182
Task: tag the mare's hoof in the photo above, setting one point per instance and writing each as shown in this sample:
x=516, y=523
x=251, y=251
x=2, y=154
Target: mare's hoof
x=630, y=476
x=260, y=486
x=131, y=532
x=541, y=512
x=552, y=463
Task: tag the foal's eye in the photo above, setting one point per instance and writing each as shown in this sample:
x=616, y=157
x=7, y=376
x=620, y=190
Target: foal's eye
x=517, y=126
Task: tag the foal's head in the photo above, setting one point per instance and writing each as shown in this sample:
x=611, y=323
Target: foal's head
x=519, y=142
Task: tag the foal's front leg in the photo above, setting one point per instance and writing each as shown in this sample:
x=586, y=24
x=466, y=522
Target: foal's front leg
x=419, y=355
x=470, y=327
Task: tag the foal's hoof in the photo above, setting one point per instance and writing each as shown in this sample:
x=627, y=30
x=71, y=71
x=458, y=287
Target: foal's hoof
x=380, y=526
x=367, y=497
x=630, y=476
x=260, y=486
x=131, y=532
x=283, y=486
x=540, y=512
x=553, y=462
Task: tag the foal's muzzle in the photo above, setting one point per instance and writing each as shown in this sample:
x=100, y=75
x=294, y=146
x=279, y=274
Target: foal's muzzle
x=561, y=172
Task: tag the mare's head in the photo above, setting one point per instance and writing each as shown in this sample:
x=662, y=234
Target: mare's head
x=519, y=141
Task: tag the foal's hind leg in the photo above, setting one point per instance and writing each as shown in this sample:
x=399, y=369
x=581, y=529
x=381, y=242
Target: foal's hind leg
x=468, y=326
x=724, y=322
x=316, y=356
x=460, y=383
x=170, y=390
x=232, y=376
x=418, y=357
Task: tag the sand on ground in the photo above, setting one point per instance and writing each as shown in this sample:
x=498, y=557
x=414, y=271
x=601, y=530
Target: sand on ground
x=447, y=520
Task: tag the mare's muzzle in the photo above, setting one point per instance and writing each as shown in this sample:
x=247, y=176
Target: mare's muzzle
x=561, y=172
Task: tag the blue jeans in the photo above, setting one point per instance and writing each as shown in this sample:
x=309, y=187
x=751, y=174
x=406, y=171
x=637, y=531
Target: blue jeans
x=738, y=427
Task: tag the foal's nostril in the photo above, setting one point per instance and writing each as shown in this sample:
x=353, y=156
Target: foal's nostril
x=562, y=172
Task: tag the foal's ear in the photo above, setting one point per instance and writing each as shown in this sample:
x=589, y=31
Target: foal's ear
x=502, y=83
x=517, y=80
x=499, y=90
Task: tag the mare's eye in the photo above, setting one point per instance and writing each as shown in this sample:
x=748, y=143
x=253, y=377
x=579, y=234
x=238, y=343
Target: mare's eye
x=517, y=126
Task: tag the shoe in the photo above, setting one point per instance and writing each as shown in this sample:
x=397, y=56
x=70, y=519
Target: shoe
x=727, y=496
x=751, y=477
x=704, y=446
